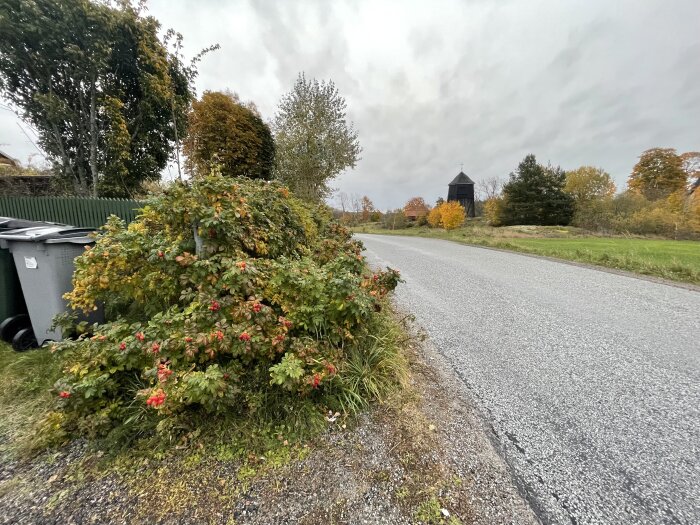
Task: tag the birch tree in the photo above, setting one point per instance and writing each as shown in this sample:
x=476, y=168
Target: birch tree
x=314, y=141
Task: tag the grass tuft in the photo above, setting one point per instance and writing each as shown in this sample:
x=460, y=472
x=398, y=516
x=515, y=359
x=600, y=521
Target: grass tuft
x=376, y=367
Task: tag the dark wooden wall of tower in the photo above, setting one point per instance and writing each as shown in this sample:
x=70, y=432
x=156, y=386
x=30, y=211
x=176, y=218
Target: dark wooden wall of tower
x=464, y=194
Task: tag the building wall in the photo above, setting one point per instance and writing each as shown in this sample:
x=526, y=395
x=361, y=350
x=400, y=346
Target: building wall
x=464, y=194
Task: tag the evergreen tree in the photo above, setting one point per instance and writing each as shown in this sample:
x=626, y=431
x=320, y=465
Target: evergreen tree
x=535, y=195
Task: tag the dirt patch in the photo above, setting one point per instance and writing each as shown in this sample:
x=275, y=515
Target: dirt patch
x=426, y=458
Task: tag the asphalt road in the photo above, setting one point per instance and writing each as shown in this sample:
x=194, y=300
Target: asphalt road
x=591, y=380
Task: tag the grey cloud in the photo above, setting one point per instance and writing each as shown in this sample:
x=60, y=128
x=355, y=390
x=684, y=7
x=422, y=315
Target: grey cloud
x=483, y=83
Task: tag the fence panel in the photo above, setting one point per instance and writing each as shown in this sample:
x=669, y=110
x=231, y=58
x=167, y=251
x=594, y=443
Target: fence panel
x=76, y=211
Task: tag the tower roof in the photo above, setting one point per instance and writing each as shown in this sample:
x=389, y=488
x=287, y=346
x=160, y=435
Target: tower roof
x=461, y=179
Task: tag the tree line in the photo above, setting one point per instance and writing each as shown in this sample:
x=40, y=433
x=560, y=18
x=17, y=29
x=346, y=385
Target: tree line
x=661, y=197
x=112, y=103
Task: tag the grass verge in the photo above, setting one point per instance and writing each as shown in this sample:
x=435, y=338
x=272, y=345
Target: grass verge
x=25, y=397
x=668, y=259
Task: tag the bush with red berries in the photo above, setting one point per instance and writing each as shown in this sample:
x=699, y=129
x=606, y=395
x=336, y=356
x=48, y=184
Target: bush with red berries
x=221, y=293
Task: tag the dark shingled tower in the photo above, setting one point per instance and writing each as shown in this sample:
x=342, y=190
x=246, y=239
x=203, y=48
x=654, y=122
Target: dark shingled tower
x=461, y=189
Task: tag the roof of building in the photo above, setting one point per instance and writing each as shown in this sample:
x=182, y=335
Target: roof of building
x=13, y=160
x=461, y=179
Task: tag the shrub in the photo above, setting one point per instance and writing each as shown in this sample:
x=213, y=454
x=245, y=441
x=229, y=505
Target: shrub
x=434, y=217
x=594, y=214
x=394, y=220
x=493, y=210
x=222, y=293
x=451, y=215
x=676, y=216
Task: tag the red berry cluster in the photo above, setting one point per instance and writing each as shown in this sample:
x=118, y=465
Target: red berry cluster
x=156, y=399
x=164, y=372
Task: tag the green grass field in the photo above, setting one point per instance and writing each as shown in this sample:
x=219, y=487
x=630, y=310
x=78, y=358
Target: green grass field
x=669, y=259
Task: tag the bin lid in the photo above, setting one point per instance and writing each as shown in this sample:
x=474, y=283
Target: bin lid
x=69, y=235
x=50, y=234
x=11, y=223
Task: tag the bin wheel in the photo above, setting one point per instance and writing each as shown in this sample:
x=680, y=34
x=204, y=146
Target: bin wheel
x=10, y=326
x=24, y=340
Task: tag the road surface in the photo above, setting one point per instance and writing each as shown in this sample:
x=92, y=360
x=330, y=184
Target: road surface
x=591, y=380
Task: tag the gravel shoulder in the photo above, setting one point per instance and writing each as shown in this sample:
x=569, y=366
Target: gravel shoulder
x=425, y=457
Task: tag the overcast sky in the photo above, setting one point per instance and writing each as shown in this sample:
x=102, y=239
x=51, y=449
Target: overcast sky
x=433, y=84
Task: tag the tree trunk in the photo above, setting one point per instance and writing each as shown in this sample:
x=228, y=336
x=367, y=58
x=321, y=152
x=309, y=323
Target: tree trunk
x=93, y=136
x=177, y=139
x=68, y=170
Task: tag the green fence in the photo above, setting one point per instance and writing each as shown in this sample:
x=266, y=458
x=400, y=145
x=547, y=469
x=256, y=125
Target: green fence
x=76, y=211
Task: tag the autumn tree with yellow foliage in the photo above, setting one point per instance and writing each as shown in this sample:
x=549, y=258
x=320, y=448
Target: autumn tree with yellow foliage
x=449, y=215
x=658, y=174
x=435, y=217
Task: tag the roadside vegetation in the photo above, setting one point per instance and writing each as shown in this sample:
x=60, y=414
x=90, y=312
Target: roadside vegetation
x=412, y=451
x=204, y=474
x=242, y=323
x=225, y=298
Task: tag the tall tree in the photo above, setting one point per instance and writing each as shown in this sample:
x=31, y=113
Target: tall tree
x=658, y=173
x=535, y=195
x=98, y=85
x=225, y=132
x=367, y=208
x=588, y=183
x=417, y=203
x=313, y=138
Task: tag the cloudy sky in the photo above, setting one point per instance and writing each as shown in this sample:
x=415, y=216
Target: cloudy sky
x=433, y=84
